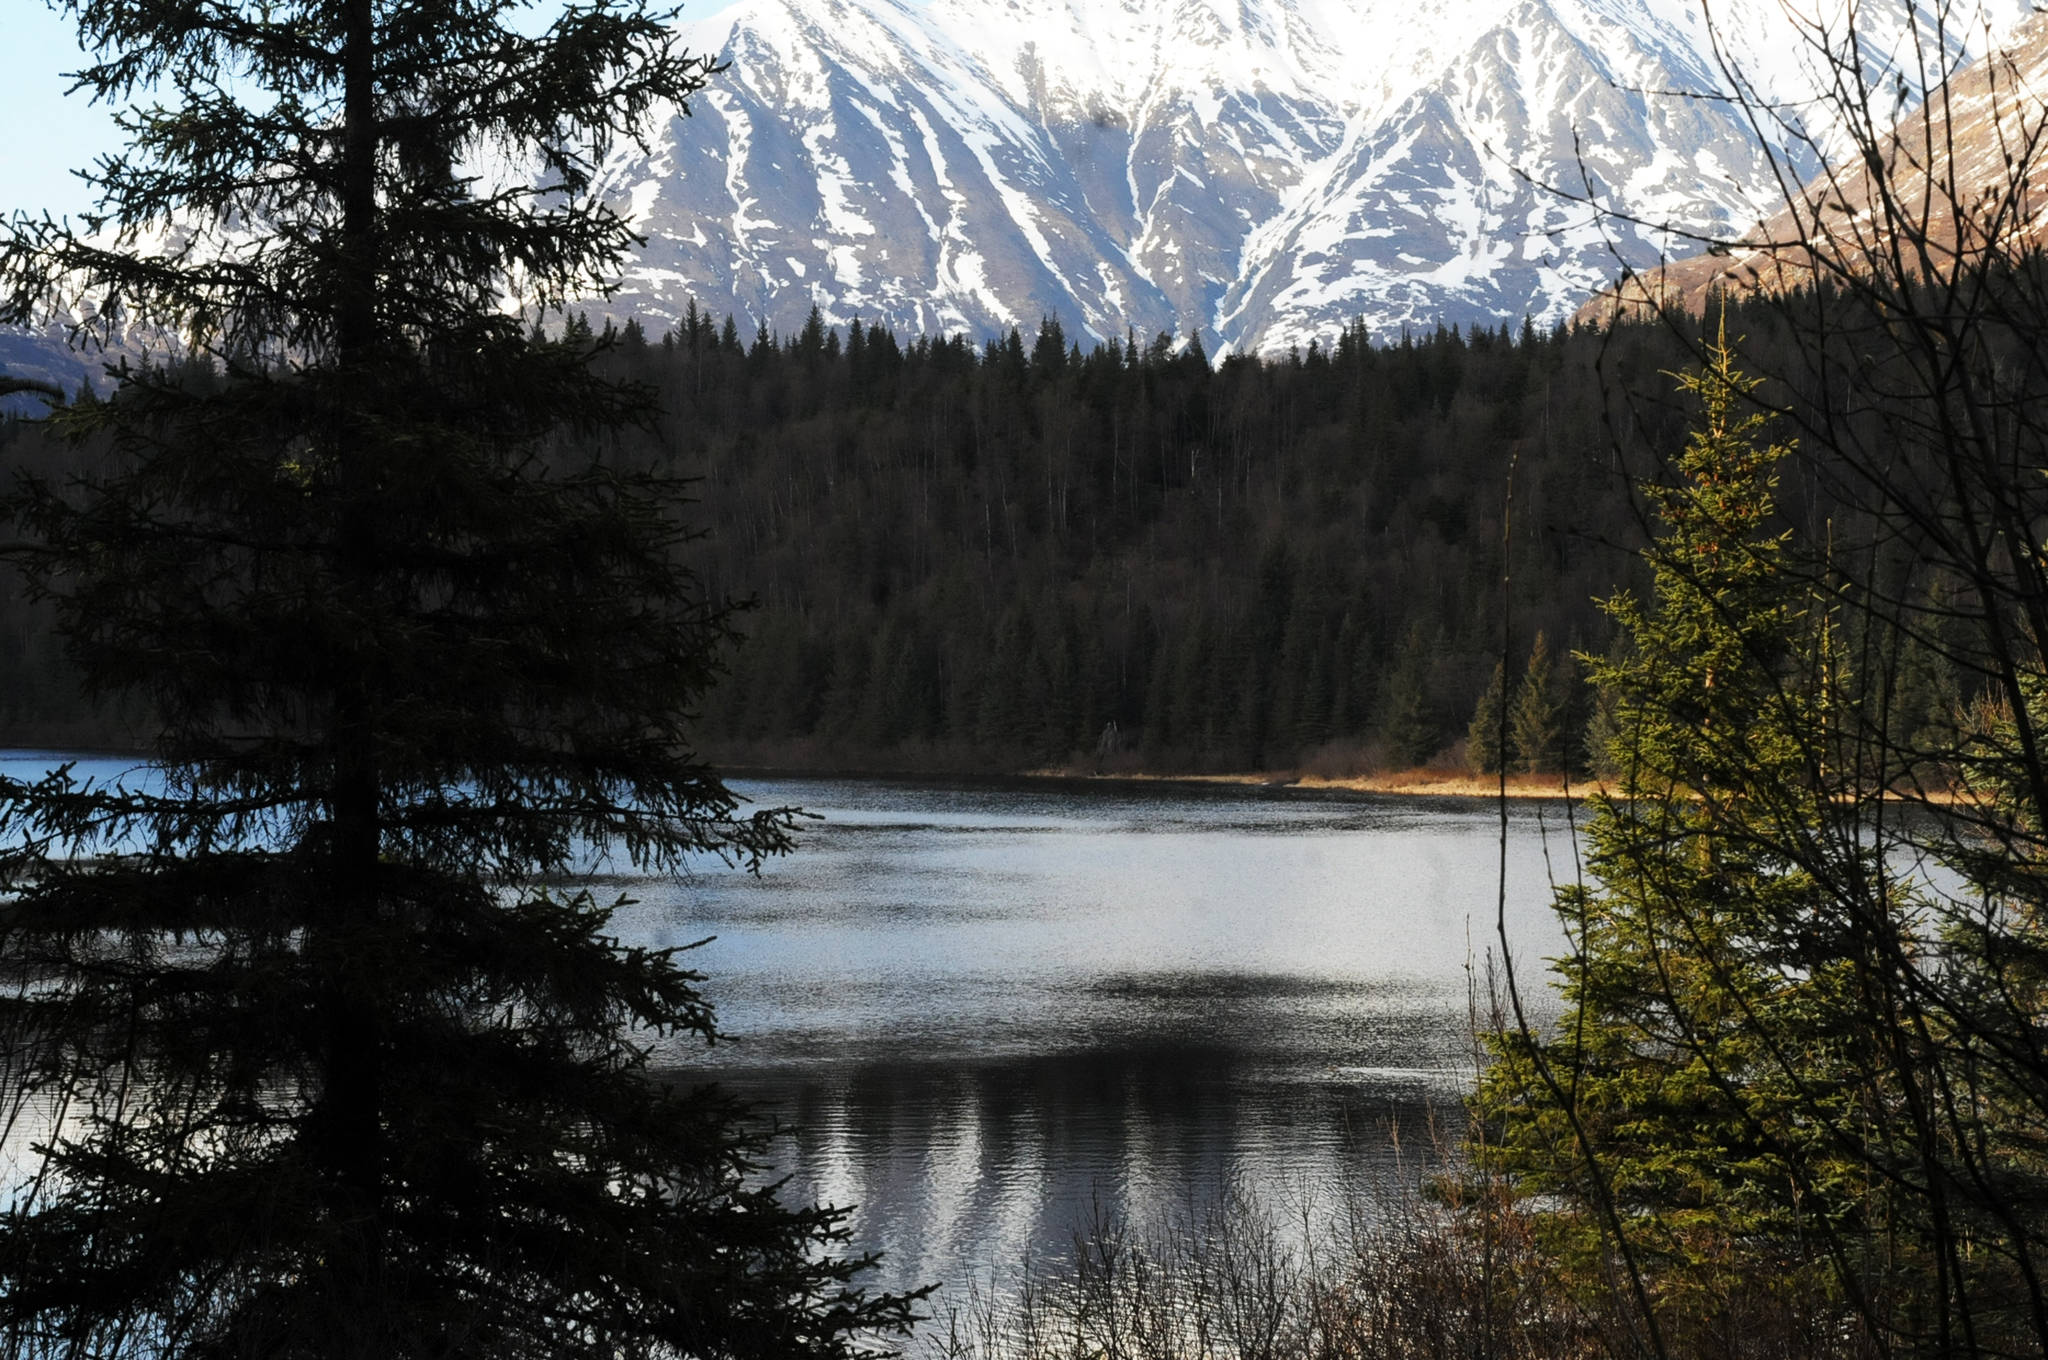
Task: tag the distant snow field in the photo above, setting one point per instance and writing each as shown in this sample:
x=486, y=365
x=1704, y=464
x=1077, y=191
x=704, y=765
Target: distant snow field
x=1260, y=172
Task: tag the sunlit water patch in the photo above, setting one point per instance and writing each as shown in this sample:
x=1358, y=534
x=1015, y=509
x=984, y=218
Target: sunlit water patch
x=992, y=1012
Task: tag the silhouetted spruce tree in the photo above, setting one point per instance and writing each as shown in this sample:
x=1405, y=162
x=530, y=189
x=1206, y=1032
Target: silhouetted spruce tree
x=1536, y=719
x=306, y=1053
x=1407, y=720
x=1482, y=736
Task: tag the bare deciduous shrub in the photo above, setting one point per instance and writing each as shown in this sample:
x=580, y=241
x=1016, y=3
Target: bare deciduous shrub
x=1401, y=1272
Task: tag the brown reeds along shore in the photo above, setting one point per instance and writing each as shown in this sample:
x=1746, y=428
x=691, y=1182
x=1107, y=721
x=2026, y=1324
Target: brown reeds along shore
x=1422, y=782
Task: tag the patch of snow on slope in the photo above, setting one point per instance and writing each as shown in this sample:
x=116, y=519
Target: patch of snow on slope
x=1262, y=168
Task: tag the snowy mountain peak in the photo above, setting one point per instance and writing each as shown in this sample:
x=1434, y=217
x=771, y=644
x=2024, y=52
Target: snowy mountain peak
x=1260, y=171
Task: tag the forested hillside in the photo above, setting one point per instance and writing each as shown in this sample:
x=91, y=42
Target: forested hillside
x=984, y=558
x=996, y=557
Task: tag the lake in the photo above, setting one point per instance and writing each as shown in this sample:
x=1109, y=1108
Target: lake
x=990, y=1011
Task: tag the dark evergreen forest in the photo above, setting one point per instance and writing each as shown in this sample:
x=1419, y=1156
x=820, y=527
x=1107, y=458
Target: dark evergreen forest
x=1021, y=554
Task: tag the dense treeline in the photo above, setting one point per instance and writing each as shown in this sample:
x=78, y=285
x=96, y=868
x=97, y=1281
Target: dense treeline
x=1024, y=553
x=983, y=558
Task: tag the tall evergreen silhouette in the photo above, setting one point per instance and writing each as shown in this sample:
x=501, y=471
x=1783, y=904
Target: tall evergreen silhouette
x=317, y=1054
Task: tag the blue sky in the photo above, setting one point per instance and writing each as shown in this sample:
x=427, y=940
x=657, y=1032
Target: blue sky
x=45, y=134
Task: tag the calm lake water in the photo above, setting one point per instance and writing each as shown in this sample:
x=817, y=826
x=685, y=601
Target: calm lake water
x=991, y=1011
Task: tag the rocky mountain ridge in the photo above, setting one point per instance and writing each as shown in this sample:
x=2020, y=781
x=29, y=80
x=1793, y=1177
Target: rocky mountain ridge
x=1955, y=184
x=1259, y=172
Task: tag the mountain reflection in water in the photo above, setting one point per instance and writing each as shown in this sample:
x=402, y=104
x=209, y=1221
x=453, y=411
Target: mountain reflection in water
x=991, y=1012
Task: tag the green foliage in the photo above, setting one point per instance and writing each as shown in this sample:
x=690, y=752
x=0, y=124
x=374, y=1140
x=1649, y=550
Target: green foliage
x=1686, y=1115
x=1483, y=736
x=1542, y=707
x=929, y=487
x=1408, y=724
x=920, y=487
x=312, y=1056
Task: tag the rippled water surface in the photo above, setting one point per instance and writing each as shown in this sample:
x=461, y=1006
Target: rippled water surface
x=989, y=1012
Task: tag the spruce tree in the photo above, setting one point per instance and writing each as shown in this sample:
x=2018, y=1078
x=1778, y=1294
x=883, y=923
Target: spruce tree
x=1601, y=734
x=319, y=1047
x=1685, y=1124
x=1408, y=727
x=1536, y=718
x=1483, y=734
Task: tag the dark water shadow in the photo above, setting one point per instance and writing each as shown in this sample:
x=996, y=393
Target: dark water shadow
x=960, y=1169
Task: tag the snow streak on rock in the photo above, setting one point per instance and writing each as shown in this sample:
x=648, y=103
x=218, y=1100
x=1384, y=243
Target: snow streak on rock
x=1260, y=171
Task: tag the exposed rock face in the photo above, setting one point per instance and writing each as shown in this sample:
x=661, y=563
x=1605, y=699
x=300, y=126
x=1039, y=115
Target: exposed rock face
x=1964, y=175
x=1259, y=171
x=40, y=357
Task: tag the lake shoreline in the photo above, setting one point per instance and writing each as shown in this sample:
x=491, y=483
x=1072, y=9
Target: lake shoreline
x=1421, y=782
x=1418, y=782
x=1412, y=783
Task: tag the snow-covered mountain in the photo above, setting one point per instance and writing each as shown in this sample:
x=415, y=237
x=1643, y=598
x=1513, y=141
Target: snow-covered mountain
x=1975, y=155
x=1260, y=171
